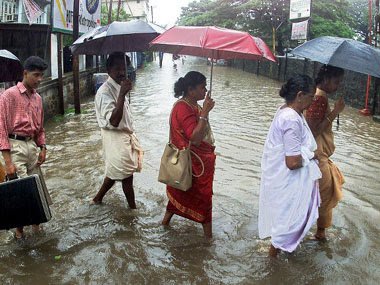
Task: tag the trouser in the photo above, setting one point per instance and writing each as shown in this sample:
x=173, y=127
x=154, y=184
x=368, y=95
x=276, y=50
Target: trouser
x=25, y=156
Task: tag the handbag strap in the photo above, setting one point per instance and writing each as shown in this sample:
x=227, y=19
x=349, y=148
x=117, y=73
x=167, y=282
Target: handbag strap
x=170, y=139
x=203, y=166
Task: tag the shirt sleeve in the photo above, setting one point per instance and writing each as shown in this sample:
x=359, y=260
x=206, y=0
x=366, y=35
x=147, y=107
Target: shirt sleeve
x=292, y=137
x=4, y=110
x=40, y=138
x=106, y=104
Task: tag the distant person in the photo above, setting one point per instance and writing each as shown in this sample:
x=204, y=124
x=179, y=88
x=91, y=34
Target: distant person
x=189, y=123
x=22, y=133
x=121, y=149
x=320, y=117
x=289, y=196
x=174, y=58
x=160, y=58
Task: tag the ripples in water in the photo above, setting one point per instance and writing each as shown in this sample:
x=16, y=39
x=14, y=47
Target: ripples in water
x=110, y=244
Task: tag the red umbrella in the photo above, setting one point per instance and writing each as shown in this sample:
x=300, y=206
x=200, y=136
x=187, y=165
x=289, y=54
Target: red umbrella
x=212, y=42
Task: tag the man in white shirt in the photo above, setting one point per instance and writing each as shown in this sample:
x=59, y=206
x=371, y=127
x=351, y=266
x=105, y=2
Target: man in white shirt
x=121, y=149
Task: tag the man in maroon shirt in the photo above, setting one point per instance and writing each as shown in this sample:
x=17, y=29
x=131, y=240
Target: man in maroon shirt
x=22, y=135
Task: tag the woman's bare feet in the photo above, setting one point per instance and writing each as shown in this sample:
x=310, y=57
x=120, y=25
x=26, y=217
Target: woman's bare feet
x=273, y=252
x=320, y=234
x=207, y=230
x=167, y=217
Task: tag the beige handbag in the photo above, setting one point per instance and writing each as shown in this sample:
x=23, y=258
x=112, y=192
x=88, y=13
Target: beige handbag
x=176, y=166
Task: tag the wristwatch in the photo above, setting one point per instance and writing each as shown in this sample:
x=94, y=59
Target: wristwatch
x=43, y=146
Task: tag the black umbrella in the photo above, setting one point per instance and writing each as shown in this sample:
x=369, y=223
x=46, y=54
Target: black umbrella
x=11, y=68
x=133, y=35
x=344, y=53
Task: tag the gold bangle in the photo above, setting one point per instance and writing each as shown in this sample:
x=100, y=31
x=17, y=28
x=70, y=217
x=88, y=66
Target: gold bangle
x=203, y=118
x=328, y=119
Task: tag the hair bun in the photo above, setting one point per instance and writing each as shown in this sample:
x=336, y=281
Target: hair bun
x=284, y=90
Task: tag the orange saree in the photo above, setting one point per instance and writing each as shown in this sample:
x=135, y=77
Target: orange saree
x=330, y=185
x=2, y=173
x=196, y=203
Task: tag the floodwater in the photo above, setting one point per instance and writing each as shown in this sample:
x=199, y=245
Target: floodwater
x=110, y=244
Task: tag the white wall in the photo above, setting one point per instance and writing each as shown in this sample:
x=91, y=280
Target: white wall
x=54, y=56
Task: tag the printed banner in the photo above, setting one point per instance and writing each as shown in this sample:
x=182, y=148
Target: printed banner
x=89, y=15
x=32, y=10
x=299, y=30
x=299, y=9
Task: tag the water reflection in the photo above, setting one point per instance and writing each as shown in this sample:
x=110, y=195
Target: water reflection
x=112, y=244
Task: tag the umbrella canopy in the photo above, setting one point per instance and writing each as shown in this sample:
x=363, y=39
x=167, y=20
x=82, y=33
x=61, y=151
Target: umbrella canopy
x=344, y=53
x=212, y=42
x=11, y=68
x=133, y=35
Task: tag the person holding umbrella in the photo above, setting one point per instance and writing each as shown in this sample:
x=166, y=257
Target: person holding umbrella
x=189, y=123
x=121, y=148
x=320, y=117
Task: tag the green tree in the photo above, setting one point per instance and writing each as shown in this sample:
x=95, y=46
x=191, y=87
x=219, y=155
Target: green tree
x=222, y=13
x=123, y=16
x=332, y=18
x=265, y=18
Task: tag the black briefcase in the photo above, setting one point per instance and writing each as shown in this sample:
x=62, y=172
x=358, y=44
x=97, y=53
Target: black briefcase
x=23, y=202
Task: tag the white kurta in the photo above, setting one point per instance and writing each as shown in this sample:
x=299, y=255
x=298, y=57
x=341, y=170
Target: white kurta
x=121, y=149
x=289, y=199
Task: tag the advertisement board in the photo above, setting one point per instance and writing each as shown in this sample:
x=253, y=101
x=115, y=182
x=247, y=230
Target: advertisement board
x=299, y=9
x=89, y=15
x=299, y=30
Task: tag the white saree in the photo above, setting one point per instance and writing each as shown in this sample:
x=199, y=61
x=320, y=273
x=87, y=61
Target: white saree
x=289, y=199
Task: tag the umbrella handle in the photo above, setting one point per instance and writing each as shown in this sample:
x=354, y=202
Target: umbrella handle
x=212, y=68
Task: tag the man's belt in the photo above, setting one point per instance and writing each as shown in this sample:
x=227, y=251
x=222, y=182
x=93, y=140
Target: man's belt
x=20, y=138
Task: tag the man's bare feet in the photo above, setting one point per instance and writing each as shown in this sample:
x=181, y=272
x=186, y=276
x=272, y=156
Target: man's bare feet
x=37, y=228
x=320, y=234
x=95, y=202
x=273, y=252
x=19, y=233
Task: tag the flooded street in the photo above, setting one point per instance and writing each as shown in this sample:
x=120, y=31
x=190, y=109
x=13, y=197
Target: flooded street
x=110, y=244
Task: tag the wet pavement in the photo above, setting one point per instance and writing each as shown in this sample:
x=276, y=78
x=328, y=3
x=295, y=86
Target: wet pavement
x=110, y=244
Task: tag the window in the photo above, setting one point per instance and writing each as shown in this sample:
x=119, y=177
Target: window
x=8, y=11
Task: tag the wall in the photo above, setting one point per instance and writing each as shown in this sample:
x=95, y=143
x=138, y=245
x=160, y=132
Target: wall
x=353, y=87
x=49, y=91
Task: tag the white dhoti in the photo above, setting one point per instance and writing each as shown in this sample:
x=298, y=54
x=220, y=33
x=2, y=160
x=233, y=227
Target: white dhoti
x=122, y=154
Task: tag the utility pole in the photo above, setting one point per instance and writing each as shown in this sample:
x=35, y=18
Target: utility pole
x=76, y=58
x=366, y=111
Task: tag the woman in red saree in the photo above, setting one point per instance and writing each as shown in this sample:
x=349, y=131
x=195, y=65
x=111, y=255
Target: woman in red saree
x=189, y=123
x=320, y=117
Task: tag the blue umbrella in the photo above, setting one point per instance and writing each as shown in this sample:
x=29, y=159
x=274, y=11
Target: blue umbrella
x=341, y=52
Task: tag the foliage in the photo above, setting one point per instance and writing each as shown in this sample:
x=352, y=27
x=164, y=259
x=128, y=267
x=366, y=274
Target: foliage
x=123, y=16
x=222, y=13
x=332, y=18
x=263, y=18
